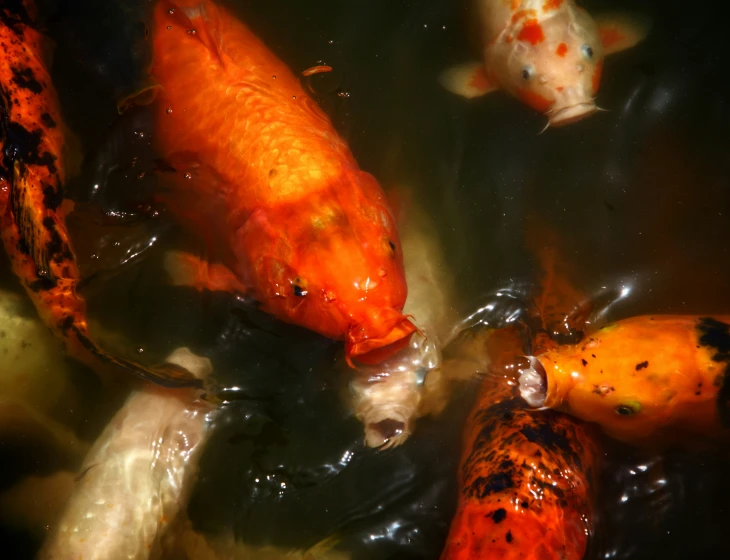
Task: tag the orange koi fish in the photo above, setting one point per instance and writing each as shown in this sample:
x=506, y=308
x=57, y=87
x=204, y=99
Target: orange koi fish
x=649, y=380
x=32, y=176
x=547, y=53
x=524, y=477
x=265, y=176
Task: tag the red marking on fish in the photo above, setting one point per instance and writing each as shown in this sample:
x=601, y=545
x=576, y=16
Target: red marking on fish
x=480, y=80
x=551, y=5
x=531, y=32
x=562, y=49
x=597, y=76
x=610, y=36
x=534, y=100
x=523, y=14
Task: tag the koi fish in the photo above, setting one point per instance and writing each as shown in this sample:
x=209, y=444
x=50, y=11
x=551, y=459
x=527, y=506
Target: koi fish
x=547, y=53
x=648, y=380
x=388, y=397
x=136, y=478
x=32, y=177
x=265, y=176
x=525, y=478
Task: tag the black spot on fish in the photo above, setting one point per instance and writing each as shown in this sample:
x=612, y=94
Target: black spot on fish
x=508, y=537
x=497, y=482
x=391, y=245
x=52, y=197
x=22, y=247
x=42, y=284
x=13, y=13
x=499, y=515
x=25, y=145
x=47, y=120
x=584, y=363
x=24, y=78
x=299, y=291
x=548, y=437
x=716, y=334
x=642, y=365
x=525, y=505
x=66, y=323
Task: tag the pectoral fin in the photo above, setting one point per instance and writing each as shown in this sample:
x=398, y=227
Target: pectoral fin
x=619, y=32
x=188, y=270
x=468, y=80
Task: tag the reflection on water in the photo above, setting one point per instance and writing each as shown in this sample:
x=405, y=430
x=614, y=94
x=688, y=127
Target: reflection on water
x=640, y=195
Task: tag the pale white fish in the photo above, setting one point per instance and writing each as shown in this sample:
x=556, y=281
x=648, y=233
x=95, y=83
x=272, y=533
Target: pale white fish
x=136, y=478
x=389, y=397
x=547, y=53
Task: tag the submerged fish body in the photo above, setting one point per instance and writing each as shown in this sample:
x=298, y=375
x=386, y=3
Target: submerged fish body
x=32, y=177
x=649, y=380
x=138, y=475
x=306, y=232
x=525, y=478
x=547, y=53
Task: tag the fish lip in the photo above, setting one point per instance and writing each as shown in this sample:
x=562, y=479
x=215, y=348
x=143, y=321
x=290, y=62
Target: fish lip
x=572, y=113
x=533, y=383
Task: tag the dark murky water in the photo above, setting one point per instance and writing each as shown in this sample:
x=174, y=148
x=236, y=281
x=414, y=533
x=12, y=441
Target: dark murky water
x=640, y=196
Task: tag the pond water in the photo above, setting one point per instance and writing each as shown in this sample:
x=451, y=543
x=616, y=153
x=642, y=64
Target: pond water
x=639, y=196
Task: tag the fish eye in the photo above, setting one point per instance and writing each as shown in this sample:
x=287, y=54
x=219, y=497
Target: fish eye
x=628, y=409
x=587, y=51
x=299, y=288
x=527, y=72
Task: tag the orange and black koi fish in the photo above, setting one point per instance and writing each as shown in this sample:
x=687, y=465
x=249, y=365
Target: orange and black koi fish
x=524, y=477
x=650, y=380
x=297, y=224
x=32, y=175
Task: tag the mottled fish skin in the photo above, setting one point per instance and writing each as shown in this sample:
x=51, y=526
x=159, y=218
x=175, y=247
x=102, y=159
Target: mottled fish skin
x=524, y=477
x=651, y=380
x=32, y=176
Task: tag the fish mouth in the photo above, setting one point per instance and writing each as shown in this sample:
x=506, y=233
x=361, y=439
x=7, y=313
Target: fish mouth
x=533, y=383
x=368, y=351
x=572, y=113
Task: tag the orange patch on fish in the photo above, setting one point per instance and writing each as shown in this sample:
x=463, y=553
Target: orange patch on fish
x=523, y=14
x=562, y=49
x=531, y=32
x=316, y=70
x=597, y=76
x=534, y=100
x=551, y=5
x=610, y=36
x=480, y=80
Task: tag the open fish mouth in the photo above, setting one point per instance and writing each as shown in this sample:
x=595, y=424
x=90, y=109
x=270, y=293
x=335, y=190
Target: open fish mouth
x=533, y=383
x=572, y=113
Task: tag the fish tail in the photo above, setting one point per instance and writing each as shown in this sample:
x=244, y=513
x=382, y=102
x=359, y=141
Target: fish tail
x=200, y=17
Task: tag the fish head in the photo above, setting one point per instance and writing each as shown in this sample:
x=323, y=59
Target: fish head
x=629, y=405
x=554, y=66
x=334, y=264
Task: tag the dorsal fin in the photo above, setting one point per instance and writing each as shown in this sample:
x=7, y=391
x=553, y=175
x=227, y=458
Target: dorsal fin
x=201, y=18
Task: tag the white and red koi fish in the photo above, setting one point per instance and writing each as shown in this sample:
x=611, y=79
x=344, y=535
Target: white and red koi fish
x=547, y=53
